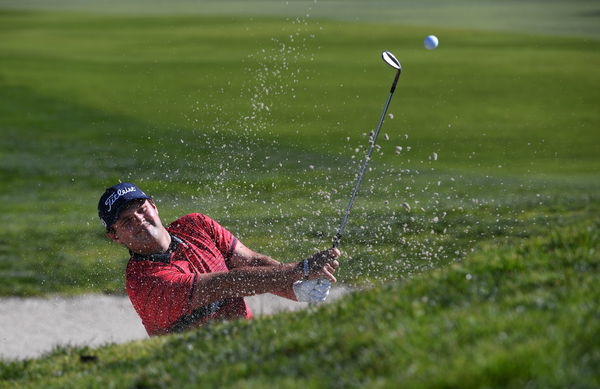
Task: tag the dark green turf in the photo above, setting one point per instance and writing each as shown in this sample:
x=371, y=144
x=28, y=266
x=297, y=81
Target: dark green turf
x=177, y=105
x=508, y=316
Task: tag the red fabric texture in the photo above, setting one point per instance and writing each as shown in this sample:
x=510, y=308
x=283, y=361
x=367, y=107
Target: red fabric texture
x=160, y=289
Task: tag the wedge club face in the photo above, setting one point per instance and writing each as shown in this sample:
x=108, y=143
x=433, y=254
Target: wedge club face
x=391, y=60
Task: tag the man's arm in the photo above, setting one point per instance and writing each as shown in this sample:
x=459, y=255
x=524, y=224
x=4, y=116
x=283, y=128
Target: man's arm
x=243, y=281
x=251, y=280
x=252, y=273
x=245, y=257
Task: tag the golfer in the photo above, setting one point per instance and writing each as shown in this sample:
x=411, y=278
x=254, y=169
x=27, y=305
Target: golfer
x=194, y=270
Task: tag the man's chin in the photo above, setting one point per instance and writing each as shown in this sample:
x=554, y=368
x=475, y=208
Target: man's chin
x=143, y=244
x=147, y=235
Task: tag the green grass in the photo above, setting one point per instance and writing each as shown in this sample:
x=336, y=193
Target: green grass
x=176, y=104
x=508, y=316
x=489, y=281
x=549, y=17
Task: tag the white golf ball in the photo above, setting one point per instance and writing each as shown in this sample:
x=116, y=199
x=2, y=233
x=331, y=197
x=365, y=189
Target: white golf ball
x=431, y=42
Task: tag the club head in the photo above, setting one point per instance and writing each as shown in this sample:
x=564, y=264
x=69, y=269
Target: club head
x=391, y=60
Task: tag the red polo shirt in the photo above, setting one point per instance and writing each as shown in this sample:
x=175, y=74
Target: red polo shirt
x=160, y=286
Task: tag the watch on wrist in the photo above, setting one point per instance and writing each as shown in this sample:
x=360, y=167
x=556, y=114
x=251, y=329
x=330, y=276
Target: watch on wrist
x=305, y=269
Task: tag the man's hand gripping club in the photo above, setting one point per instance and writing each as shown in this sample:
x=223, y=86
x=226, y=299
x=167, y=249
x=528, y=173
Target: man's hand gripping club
x=318, y=273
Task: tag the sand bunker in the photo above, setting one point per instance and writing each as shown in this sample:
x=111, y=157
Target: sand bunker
x=34, y=326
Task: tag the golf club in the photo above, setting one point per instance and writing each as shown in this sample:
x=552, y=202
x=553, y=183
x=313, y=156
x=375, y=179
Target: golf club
x=393, y=62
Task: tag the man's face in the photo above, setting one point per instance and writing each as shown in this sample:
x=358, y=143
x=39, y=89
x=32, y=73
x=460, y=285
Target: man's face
x=138, y=226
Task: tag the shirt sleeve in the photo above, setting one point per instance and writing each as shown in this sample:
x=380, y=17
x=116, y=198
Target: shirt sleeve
x=160, y=293
x=224, y=240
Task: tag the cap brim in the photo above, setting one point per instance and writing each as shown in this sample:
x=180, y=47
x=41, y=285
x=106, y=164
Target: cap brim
x=122, y=206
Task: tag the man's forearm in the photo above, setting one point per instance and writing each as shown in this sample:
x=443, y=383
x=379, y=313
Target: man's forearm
x=246, y=281
x=287, y=290
x=243, y=258
x=252, y=259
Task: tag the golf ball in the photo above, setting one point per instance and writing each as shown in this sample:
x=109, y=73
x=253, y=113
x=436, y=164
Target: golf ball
x=431, y=42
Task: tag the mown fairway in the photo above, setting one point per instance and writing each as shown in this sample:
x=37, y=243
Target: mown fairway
x=261, y=123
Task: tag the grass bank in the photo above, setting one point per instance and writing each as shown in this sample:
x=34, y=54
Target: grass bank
x=507, y=316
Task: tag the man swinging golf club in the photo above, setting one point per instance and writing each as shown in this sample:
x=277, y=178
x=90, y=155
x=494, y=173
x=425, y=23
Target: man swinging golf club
x=194, y=270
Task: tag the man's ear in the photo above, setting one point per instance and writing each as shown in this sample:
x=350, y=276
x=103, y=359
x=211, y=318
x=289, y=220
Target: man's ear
x=112, y=235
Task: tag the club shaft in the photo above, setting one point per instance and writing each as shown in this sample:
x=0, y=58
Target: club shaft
x=363, y=169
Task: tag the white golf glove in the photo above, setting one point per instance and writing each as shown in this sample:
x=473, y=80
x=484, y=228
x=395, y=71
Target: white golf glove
x=312, y=291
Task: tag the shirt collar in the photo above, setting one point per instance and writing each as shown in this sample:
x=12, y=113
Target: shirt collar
x=159, y=257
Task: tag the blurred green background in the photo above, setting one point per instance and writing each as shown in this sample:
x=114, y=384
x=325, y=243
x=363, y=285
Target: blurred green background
x=257, y=113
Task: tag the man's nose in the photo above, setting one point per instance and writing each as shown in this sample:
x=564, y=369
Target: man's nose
x=139, y=217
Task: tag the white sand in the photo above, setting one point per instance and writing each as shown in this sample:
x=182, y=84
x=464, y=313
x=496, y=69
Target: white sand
x=34, y=326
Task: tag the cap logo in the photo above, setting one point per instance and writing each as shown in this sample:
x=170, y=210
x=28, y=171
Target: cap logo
x=116, y=195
